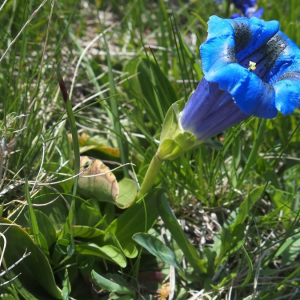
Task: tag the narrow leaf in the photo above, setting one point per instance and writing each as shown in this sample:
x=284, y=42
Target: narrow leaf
x=73, y=128
x=187, y=248
x=246, y=206
x=225, y=280
x=66, y=290
x=250, y=265
x=33, y=222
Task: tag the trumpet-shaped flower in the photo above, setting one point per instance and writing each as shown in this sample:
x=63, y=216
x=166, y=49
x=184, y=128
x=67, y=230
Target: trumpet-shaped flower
x=244, y=5
x=247, y=7
x=250, y=68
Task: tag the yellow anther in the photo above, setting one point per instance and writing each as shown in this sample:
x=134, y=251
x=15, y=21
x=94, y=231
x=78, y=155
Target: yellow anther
x=252, y=66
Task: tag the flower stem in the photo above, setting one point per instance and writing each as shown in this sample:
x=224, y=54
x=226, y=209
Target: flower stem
x=150, y=176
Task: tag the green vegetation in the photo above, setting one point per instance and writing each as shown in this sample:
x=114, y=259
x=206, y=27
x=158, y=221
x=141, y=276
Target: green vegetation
x=217, y=224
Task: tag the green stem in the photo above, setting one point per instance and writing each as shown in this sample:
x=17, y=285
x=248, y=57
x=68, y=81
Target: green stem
x=150, y=176
x=252, y=157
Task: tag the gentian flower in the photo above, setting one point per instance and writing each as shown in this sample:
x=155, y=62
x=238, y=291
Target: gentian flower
x=243, y=5
x=248, y=8
x=250, y=68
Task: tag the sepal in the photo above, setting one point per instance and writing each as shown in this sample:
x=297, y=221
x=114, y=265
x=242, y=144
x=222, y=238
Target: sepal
x=174, y=139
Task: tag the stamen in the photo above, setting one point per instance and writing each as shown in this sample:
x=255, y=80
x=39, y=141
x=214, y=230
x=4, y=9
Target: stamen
x=252, y=66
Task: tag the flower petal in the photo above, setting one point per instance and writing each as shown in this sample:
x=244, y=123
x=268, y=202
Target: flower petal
x=218, y=50
x=209, y=111
x=232, y=40
x=234, y=16
x=287, y=94
x=251, y=34
x=250, y=13
x=250, y=93
x=286, y=56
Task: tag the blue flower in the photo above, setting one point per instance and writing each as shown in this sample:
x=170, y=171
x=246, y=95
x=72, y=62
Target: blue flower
x=243, y=5
x=209, y=111
x=252, y=12
x=250, y=68
x=248, y=8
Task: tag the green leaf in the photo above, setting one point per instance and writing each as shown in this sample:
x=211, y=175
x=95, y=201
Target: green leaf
x=232, y=237
x=289, y=253
x=250, y=265
x=158, y=91
x=54, y=206
x=246, y=206
x=66, y=290
x=225, y=280
x=109, y=214
x=130, y=68
x=97, y=143
x=36, y=280
x=86, y=231
x=177, y=233
x=130, y=250
x=8, y=297
x=282, y=200
x=127, y=193
x=156, y=248
x=85, y=264
x=103, y=187
x=111, y=286
x=193, y=57
x=108, y=252
x=72, y=123
x=37, y=236
x=137, y=218
x=46, y=227
x=1, y=209
x=229, y=243
x=67, y=233
x=89, y=213
x=67, y=228
x=124, y=297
